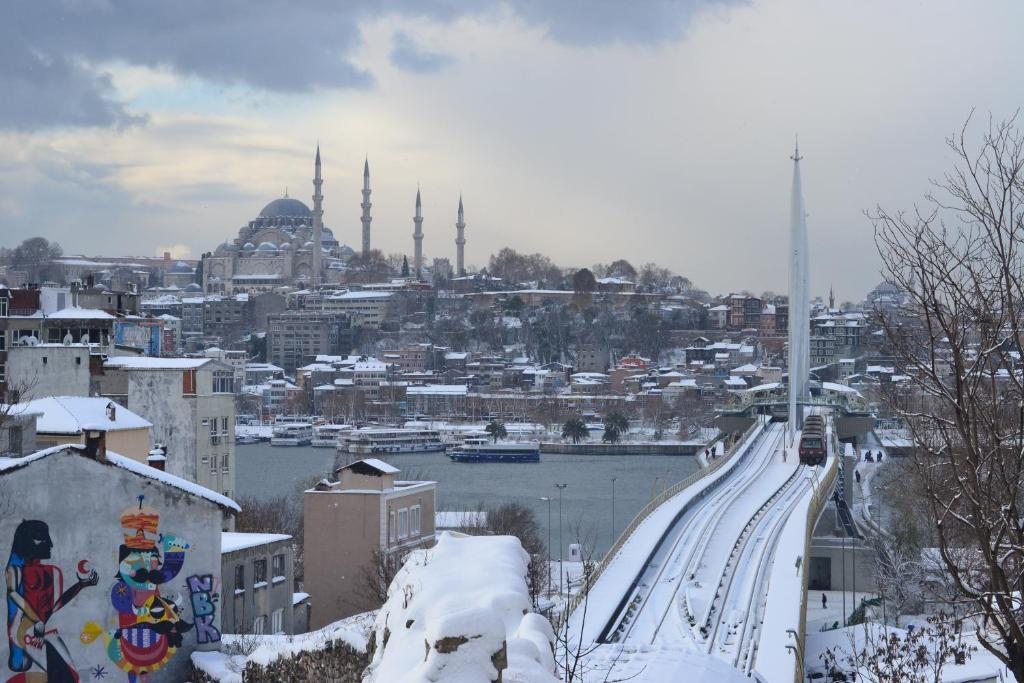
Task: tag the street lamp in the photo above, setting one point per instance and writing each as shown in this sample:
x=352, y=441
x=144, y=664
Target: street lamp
x=547, y=499
x=561, y=546
x=613, y=510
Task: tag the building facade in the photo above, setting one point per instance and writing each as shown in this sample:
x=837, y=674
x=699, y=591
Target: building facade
x=259, y=578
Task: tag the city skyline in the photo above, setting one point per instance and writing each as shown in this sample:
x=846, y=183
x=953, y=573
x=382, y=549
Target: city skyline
x=627, y=137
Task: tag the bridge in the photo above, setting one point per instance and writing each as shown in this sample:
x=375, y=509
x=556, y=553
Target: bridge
x=708, y=582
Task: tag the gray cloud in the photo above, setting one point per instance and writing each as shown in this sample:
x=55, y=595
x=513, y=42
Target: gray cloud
x=408, y=55
x=51, y=49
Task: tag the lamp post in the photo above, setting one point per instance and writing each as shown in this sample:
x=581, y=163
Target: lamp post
x=547, y=499
x=561, y=546
x=613, y=510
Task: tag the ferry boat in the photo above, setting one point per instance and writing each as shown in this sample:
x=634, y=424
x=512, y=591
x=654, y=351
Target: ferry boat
x=246, y=439
x=482, y=450
x=376, y=441
x=326, y=436
x=292, y=434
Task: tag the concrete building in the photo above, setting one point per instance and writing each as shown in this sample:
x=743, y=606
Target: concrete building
x=190, y=402
x=259, y=580
x=297, y=337
x=352, y=525
x=18, y=434
x=88, y=521
x=67, y=419
x=366, y=308
x=53, y=369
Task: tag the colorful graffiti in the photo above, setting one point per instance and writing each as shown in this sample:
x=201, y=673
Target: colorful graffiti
x=204, y=607
x=35, y=592
x=149, y=625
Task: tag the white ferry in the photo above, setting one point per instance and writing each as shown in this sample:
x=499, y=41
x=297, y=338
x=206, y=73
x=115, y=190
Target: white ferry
x=326, y=436
x=375, y=441
x=292, y=434
x=477, y=449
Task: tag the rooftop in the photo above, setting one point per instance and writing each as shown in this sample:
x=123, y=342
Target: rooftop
x=230, y=541
x=73, y=414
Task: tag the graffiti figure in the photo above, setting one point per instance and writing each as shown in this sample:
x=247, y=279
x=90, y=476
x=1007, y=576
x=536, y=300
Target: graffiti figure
x=35, y=592
x=149, y=626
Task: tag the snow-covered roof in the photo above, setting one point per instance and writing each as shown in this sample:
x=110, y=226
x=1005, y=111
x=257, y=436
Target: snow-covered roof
x=734, y=382
x=125, y=463
x=832, y=386
x=376, y=464
x=358, y=295
x=78, y=313
x=148, y=363
x=72, y=414
x=230, y=541
x=433, y=389
x=749, y=367
x=456, y=355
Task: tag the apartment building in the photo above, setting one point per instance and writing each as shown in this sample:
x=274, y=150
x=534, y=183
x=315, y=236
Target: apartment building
x=296, y=338
x=352, y=525
x=190, y=402
x=366, y=308
x=258, y=571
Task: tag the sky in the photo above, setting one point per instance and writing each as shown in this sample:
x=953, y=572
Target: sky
x=588, y=131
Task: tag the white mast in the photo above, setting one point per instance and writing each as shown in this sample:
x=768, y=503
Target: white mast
x=799, y=306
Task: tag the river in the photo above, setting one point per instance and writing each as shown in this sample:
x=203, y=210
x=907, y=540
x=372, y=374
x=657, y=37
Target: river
x=264, y=471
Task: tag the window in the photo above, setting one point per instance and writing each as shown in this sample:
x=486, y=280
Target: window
x=3, y=372
x=3, y=306
x=392, y=528
x=188, y=382
x=3, y=340
x=278, y=565
x=277, y=620
x=259, y=571
x=224, y=464
x=14, y=440
x=414, y=520
x=223, y=425
x=259, y=625
x=403, y=523
x=223, y=382
x=239, y=577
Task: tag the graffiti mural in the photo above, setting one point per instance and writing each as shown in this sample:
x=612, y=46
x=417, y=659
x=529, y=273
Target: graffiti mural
x=35, y=592
x=149, y=625
x=204, y=607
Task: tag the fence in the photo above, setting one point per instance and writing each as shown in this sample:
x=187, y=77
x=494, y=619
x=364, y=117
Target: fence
x=644, y=513
x=818, y=500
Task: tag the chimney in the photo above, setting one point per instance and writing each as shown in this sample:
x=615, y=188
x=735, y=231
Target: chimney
x=96, y=444
x=158, y=457
x=167, y=256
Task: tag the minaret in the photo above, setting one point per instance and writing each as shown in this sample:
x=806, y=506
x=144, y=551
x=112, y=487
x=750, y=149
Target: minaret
x=417, y=236
x=831, y=298
x=366, y=207
x=799, y=306
x=318, y=220
x=460, y=242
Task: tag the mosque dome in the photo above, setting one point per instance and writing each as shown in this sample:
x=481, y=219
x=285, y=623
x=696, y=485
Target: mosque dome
x=286, y=207
x=181, y=267
x=249, y=246
x=287, y=246
x=266, y=246
x=193, y=287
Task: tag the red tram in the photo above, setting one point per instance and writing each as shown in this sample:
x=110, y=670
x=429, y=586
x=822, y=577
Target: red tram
x=812, y=441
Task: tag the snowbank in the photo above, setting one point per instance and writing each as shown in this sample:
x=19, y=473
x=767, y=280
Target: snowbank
x=465, y=601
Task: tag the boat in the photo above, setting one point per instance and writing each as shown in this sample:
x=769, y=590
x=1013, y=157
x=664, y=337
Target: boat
x=375, y=441
x=482, y=450
x=326, y=436
x=246, y=439
x=292, y=434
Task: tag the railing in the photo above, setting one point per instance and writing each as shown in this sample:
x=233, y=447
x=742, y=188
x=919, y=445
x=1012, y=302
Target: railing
x=818, y=500
x=644, y=513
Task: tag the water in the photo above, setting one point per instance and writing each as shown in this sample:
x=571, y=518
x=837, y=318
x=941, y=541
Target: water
x=265, y=471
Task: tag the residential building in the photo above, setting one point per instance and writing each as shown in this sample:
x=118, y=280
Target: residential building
x=297, y=337
x=190, y=402
x=67, y=419
x=366, y=308
x=53, y=370
x=258, y=571
x=86, y=517
x=353, y=525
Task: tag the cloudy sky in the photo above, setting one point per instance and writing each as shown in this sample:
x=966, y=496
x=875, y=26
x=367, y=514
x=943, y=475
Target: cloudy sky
x=651, y=130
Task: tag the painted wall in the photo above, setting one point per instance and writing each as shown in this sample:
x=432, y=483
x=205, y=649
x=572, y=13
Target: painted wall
x=107, y=573
x=64, y=372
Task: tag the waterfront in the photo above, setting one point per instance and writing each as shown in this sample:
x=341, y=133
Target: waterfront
x=264, y=471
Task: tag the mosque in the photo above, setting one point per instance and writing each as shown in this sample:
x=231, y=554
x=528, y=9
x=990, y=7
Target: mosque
x=278, y=248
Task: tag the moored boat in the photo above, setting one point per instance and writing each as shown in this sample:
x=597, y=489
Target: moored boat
x=382, y=441
x=326, y=436
x=292, y=434
x=481, y=450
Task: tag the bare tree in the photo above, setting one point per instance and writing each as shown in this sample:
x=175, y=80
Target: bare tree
x=959, y=261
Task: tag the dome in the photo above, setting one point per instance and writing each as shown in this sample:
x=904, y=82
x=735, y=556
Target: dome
x=286, y=207
x=181, y=267
x=286, y=246
x=249, y=246
x=193, y=287
x=266, y=246
x=308, y=245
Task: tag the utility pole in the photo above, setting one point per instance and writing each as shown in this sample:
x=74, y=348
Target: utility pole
x=547, y=499
x=613, y=511
x=561, y=546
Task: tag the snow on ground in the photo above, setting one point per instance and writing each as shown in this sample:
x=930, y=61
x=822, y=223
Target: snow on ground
x=982, y=666
x=465, y=598
x=237, y=651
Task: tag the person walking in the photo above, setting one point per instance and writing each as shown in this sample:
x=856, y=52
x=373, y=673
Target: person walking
x=824, y=601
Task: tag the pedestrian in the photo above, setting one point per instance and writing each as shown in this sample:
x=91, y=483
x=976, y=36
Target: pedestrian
x=856, y=475
x=783, y=455
x=824, y=601
x=879, y=456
